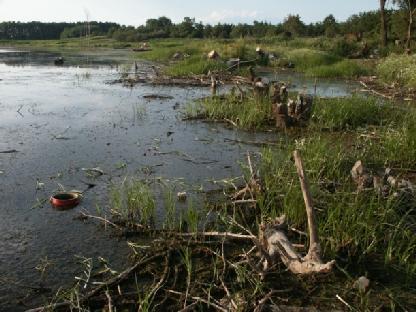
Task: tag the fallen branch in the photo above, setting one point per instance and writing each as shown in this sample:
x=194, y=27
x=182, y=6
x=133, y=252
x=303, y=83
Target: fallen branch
x=278, y=245
x=368, y=89
x=105, y=220
x=218, y=235
x=255, y=143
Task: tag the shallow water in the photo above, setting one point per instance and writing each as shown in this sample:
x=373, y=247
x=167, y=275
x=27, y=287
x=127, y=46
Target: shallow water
x=63, y=119
x=324, y=87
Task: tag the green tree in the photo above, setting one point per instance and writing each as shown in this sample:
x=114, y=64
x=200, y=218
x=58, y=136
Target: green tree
x=294, y=25
x=330, y=26
x=408, y=6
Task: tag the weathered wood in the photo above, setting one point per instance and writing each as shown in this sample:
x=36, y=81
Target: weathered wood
x=278, y=245
x=314, y=246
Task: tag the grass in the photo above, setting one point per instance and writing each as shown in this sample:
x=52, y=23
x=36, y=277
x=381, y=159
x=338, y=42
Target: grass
x=398, y=69
x=345, y=69
x=351, y=112
x=306, y=58
x=305, y=53
x=133, y=201
x=194, y=66
x=252, y=113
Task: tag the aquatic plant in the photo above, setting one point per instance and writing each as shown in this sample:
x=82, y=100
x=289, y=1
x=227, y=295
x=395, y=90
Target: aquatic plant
x=133, y=201
x=343, y=69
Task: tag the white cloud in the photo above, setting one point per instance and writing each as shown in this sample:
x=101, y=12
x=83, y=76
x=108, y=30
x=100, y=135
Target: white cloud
x=230, y=15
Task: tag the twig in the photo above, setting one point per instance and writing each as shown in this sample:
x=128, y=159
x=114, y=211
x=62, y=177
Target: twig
x=368, y=89
x=229, y=295
x=84, y=215
x=110, y=303
x=114, y=281
x=256, y=143
x=344, y=302
x=231, y=122
x=219, y=235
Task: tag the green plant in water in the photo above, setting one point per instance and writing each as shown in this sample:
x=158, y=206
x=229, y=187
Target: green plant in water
x=192, y=217
x=170, y=210
x=133, y=202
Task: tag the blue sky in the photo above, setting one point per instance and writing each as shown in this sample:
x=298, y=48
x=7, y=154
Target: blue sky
x=135, y=12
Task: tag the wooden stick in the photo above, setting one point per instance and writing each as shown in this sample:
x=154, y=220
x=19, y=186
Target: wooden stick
x=314, y=246
x=218, y=235
x=277, y=243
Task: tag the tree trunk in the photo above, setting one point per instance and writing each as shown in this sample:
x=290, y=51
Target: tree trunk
x=383, y=23
x=409, y=27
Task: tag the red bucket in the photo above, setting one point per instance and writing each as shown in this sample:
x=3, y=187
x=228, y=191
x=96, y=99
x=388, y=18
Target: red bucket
x=63, y=201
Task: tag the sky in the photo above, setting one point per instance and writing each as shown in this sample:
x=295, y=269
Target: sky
x=136, y=12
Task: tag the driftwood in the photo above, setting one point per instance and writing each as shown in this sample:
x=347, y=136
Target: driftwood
x=277, y=244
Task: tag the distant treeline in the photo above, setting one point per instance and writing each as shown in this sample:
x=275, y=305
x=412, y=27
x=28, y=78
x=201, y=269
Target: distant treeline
x=364, y=23
x=46, y=31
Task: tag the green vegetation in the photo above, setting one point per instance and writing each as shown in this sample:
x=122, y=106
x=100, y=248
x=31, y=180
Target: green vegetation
x=133, y=201
x=194, y=66
x=351, y=113
x=252, y=113
x=398, y=69
x=343, y=69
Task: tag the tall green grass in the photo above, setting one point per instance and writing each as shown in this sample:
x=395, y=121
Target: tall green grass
x=399, y=69
x=351, y=112
x=342, y=69
x=251, y=113
x=133, y=202
x=306, y=58
x=194, y=66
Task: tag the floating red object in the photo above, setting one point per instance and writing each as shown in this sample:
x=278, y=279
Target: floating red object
x=65, y=201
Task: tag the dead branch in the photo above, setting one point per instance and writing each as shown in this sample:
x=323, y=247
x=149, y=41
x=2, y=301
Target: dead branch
x=278, y=244
x=224, y=235
x=314, y=246
x=368, y=89
x=105, y=220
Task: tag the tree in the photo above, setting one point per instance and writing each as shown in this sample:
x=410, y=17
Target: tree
x=294, y=25
x=330, y=26
x=383, y=28
x=410, y=7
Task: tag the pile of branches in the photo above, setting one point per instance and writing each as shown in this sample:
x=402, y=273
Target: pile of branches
x=232, y=270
